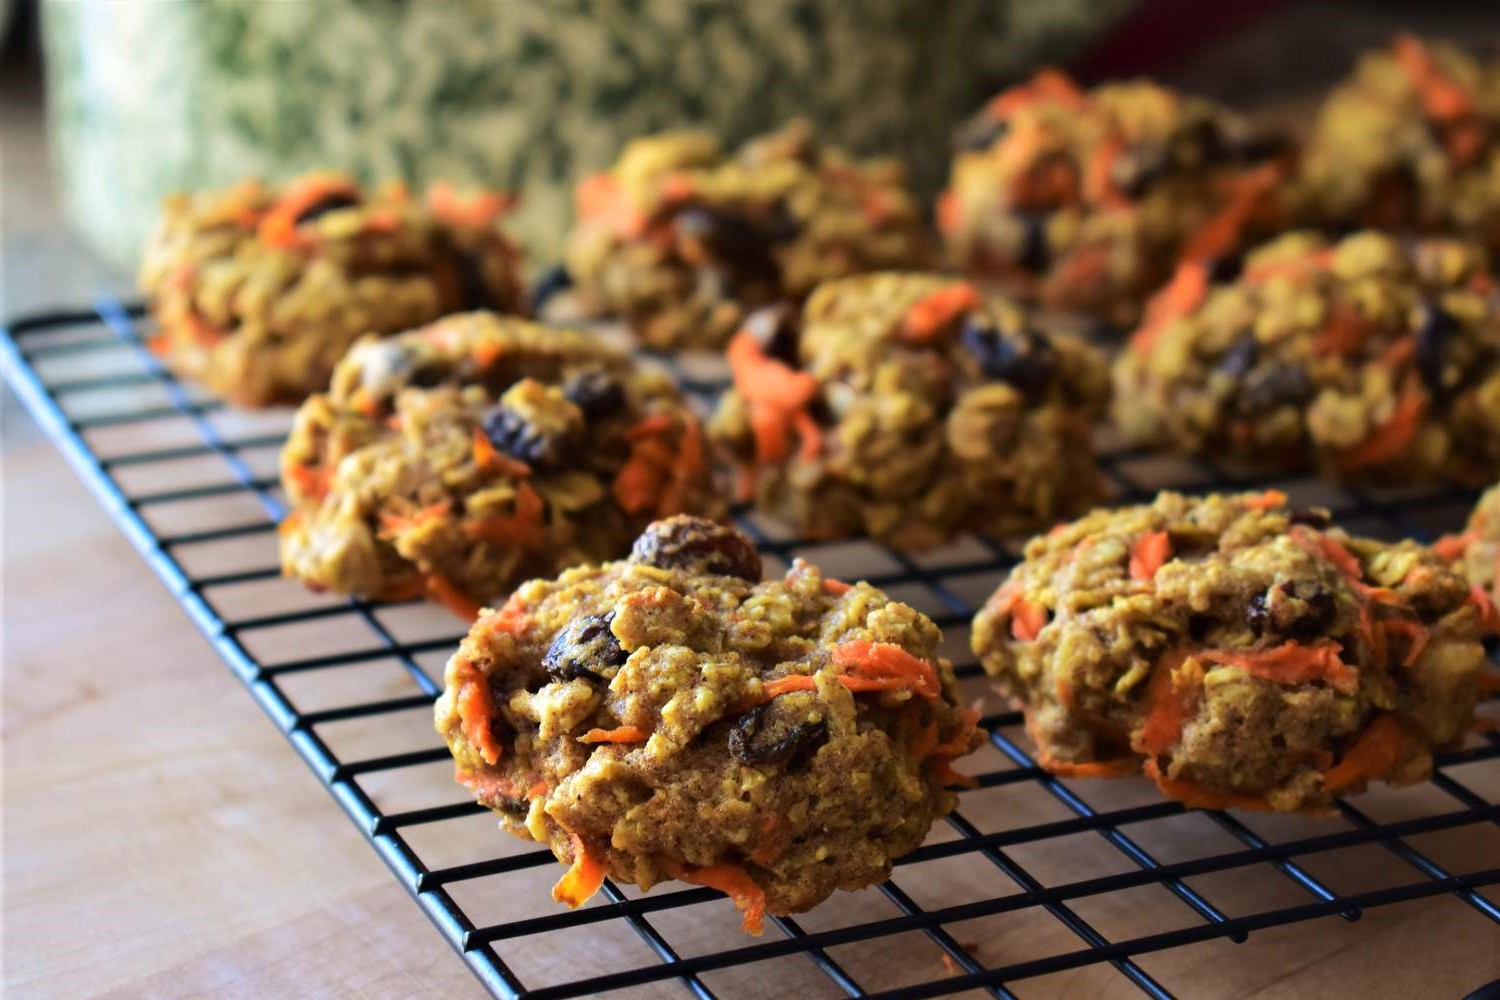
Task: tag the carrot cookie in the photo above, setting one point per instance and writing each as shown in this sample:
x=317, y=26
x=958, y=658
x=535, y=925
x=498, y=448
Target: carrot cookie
x=1241, y=652
x=462, y=458
x=681, y=240
x=1084, y=200
x=1410, y=141
x=1376, y=359
x=259, y=291
x=671, y=716
x=1475, y=552
x=909, y=407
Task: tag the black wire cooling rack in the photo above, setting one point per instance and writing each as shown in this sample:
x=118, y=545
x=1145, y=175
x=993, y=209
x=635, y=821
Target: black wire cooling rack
x=1031, y=877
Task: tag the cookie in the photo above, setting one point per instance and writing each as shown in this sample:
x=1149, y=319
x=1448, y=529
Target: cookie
x=671, y=716
x=1084, y=199
x=1475, y=552
x=681, y=239
x=258, y=291
x=909, y=407
x=1241, y=652
x=1375, y=359
x=464, y=457
x=1411, y=141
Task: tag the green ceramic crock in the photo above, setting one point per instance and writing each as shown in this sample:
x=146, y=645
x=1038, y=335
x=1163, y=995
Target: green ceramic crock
x=146, y=98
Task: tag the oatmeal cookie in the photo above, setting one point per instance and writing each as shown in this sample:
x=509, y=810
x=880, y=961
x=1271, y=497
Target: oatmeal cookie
x=1475, y=552
x=909, y=407
x=258, y=291
x=464, y=457
x=1376, y=359
x=1241, y=652
x=671, y=716
x=681, y=239
x=1411, y=141
x=1084, y=200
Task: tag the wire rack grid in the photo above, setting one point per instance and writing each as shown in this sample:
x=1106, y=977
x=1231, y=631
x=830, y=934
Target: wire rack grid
x=1031, y=878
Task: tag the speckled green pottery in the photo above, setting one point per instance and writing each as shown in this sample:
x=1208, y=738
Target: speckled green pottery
x=146, y=98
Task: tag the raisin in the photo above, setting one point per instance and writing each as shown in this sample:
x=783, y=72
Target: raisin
x=1241, y=356
x=1301, y=609
x=1200, y=144
x=1136, y=169
x=474, y=291
x=596, y=393
x=1275, y=385
x=980, y=133
x=775, y=329
x=741, y=251
x=1436, y=331
x=1025, y=360
x=1036, y=255
x=585, y=648
x=324, y=205
x=749, y=741
x=698, y=545
x=1257, y=616
x=553, y=281
x=1226, y=268
x=513, y=434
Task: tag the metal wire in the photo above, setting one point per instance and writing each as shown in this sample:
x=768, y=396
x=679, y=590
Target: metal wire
x=51, y=361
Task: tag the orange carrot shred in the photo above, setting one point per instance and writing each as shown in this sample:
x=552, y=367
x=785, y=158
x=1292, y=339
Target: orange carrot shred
x=599, y=197
x=510, y=619
x=523, y=527
x=392, y=524
x=1489, y=617
x=476, y=707
x=835, y=588
x=1265, y=501
x=1417, y=636
x=1173, y=686
x=312, y=480
x=479, y=209
x=619, y=734
x=442, y=590
x=885, y=660
x=583, y=878
x=1048, y=84
x=1184, y=293
x=1343, y=334
x=1149, y=553
x=1391, y=438
x=935, y=311
x=1028, y=618
x=278, y=228
x=1195, y=796
x=774, y=393
x=1450, y=548
x=487, y=457
x=486, y=353
x=1291, y=663
x=1374, y=754
x=733, y=881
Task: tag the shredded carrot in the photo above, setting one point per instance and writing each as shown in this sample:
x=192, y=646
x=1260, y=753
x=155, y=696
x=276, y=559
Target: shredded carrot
x=312, y=481
x=1195, y=796
x=600, y=198
x=204, y=333
x=1290, y=663
x=835, y=588
x=1149, y=553
x=1179, y=297
x=1374, y=754
x=949, y=212
x=1391, y=438
x=487, y=457
x=476, y=707
x=1099, y=180
x=1343, y=334
x=1050, y=182
x=942, y=772
x=392, y=524
x=486, y=353
x=1225, y=230
x=278, y=228
x=885, y=660
x=366, y=402
x=1443, y=100
x=479, y=209
x=619, y=734
x=774, y=393
x=1450, y=548
x=1417, y=636
x=1264, y=501
x=1119, y=767
x=522, y=527
x=583, y=877
x=1327, y=547
x=936, y=311
x=1174, y=686
x=1028, y=618
x=733, y=881
x=1489, y=617
x=511, y=619
x=443, y=590
x=289, y=523
x=770, y=847
x=1048, y=84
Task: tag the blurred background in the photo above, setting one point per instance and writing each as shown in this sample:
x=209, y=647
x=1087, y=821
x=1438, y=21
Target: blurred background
x=104, y=106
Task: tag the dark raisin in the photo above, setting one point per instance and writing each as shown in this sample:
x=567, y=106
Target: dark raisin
x=473, y=289
x=1036, y=255
x=324, y=205
x=1254, y=144
x=1435, y=332
x=782, y=226
x=1025, y=360
x=553, y=281
x=980, y=133
x=517, y=437
x=698, y=545
x=596, y=393
x=753, y=741
x=1199, y=627
x=1275, y=385
x=1136, y=169
x=740, y=251
x=1257, y=617
x=1200, y=144
x=1226, y=268
x=775, y=329
x=1300, y=609
x=585, y=648
x=1241, y=356
x=1310, y=516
